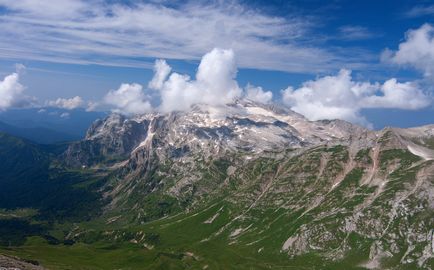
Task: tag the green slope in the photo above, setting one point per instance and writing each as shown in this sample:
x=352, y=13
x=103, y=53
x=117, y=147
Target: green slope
x=246, y=218
x=35, y=193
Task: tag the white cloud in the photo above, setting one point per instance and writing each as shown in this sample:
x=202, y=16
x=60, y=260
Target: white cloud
x=416, y=51
x=60, y=9
x=113, y=33
x=11, y=92
x=65, y=103
x=216, y=74
x=257, y=94
x=215, y=83
x=161, y=70
x=355, y=32
x=20, y=68
x=339, y=97
x=418, y=11
x=92, y=106
x=329, y=97
x=407, y=96
x=128, y=99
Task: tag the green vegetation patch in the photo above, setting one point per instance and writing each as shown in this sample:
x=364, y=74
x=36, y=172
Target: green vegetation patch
x=404, y=157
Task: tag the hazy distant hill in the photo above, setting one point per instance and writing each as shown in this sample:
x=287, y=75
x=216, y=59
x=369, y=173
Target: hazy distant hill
x=47, y=125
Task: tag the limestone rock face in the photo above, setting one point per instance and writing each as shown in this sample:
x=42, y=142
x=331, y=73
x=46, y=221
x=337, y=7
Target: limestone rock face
x=242, y=126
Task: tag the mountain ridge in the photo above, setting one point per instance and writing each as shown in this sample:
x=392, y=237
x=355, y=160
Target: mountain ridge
x=262, y=185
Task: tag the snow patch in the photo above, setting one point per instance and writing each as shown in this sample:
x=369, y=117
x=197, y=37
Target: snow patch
x=421, y=152
x=258, y=111
x=147, y=140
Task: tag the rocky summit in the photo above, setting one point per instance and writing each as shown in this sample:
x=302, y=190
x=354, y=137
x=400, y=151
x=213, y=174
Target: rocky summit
x=241, y=186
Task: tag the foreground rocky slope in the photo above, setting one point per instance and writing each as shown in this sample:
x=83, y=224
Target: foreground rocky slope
x=12, y=263
x=254, y=186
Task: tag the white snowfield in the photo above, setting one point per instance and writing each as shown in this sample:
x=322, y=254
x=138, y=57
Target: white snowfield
x=422, y=152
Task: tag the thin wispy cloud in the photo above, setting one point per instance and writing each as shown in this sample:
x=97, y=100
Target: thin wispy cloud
x=75, y=31
x=355, y=32
x=419, y=11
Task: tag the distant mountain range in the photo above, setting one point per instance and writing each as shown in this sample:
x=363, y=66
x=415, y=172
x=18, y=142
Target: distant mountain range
x=47, y=125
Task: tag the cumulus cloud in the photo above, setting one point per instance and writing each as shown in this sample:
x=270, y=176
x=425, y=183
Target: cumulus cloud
x=11, y=91
x=416, y=51
x=418, y=11
x=257, y=94
x=66, y=103
x=340, y=97
x=161, y=71
x=329, y=97
x=407, y=96
x=215, y=83
x=128, y=99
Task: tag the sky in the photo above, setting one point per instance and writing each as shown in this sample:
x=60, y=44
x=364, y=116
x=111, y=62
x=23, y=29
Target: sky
x=367, y=62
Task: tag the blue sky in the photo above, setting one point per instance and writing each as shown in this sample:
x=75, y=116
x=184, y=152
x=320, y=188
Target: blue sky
x=86, y=48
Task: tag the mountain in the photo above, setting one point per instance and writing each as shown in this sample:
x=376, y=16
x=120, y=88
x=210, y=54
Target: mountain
x=244, y=186
x=47, y=125
x=37, y=134
x=35, y=192
x=242, y=126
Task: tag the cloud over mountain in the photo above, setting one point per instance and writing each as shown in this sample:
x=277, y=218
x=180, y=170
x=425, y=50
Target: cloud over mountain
x=214, y=83
x=329, y=97
x=128, y=99
x=340, y=97
x=161, y=71
x=256, y=93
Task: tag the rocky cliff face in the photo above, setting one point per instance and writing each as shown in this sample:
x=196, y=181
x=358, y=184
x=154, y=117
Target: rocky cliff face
x=107, y=140
x=273, y=181
x=242, y=126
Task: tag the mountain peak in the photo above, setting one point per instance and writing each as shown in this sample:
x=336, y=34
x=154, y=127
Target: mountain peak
x=242, y=125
